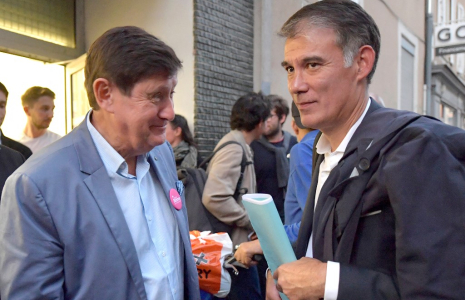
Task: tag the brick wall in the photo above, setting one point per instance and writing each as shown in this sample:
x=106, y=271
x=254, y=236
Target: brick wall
x=223, y=43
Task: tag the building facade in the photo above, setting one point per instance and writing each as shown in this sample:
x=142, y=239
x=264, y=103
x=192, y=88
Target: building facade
x=229, y=48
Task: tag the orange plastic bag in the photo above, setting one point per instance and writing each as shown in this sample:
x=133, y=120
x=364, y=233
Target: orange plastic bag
x=209, y=252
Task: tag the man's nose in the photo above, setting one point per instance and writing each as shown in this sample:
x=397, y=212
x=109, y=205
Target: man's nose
x=297, y=83
x=167, y=111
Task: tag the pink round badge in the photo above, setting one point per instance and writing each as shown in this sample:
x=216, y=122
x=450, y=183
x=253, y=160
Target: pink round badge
x=175, y=199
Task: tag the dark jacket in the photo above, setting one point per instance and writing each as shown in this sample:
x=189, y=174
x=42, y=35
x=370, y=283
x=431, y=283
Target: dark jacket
x=403, y=235
x=12, y=144
x=10, y=160
x=272, y=168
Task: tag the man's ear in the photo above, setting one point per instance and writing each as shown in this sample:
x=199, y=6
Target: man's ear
x=282, y=119
x=178, y=132
x=103, y=93
x=26, y=110
x=365, y=61
x=295, y=128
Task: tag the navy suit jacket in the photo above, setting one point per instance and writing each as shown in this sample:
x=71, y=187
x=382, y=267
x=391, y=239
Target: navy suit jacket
x=63, y=234
x=10, y=160
x=399, y=231
x=12, y=144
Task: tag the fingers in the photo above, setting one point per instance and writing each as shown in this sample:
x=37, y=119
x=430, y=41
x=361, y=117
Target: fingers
x=271, y=290
x=245, y=252
x=276, y=274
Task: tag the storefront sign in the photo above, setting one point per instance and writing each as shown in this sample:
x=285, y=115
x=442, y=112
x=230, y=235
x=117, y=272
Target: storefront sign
x=449, y=39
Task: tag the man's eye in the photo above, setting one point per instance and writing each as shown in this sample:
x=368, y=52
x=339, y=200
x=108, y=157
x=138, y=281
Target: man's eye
x=312, y=65
x=289, y=70
x=155, y=98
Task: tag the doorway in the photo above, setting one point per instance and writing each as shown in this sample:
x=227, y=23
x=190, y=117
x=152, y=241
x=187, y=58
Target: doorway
x=18, y=74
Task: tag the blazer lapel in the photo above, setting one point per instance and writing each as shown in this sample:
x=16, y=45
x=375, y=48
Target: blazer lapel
x=306, y=224
x=101, y=189
x=169, y=182
x=332, y=215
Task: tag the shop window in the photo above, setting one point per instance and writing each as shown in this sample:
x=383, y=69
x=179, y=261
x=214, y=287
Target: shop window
x=447, y=114
x=407, y=75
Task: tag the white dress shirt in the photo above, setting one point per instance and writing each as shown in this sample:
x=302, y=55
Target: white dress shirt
x=327, y=165
x=151, y=222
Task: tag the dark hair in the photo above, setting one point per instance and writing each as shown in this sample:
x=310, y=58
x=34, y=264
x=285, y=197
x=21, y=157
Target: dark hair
x=3, y=90
x=279, y=105
x=34, y=93
x=353, y=26
x=125, y=56
x=181, y=122
x=249, y=110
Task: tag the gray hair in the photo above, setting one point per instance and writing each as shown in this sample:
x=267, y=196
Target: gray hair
x=354, y=28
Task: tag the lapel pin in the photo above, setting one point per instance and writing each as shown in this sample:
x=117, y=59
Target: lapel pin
x=175, y=199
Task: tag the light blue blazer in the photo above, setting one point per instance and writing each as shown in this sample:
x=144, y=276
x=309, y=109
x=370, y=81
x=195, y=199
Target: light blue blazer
x=63, y=234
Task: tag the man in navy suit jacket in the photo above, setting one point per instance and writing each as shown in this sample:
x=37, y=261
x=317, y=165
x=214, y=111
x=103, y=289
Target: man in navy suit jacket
x=10, y=160
x=24, y=150
x=385, y=212
x=100, y=214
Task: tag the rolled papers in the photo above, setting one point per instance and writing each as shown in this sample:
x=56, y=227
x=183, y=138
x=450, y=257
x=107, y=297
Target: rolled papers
x=270, y=230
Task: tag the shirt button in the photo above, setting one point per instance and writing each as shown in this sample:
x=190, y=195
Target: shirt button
x=149, y=218
x=163, y=254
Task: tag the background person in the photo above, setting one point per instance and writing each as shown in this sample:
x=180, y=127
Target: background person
x=12, y=144
x=299, y=183
x=38, y=104
x=180, y=137
x=300, y=176
x=248, y=116
x=10, y=160
x=270, y=154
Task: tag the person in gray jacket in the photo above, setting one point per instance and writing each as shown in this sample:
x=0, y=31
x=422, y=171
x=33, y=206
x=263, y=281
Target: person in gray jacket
x=248, y=117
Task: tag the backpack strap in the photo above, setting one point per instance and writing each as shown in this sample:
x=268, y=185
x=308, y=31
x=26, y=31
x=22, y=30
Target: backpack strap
x=244, y=163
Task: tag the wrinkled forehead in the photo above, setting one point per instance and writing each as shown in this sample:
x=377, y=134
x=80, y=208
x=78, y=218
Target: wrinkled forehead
x=315, y=27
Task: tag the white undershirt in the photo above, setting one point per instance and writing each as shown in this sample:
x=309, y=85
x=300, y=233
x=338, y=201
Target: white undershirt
x=327, y=165
x=35, y=144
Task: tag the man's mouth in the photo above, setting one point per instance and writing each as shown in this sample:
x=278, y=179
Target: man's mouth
x=305, y=105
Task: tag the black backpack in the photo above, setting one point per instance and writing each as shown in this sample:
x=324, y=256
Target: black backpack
x=194, y=182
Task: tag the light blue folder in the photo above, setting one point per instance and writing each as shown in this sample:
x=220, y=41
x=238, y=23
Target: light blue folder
x=270, y=230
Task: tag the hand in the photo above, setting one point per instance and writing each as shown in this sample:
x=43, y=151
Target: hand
x=246, y=251
x=271, y=290
x=301, y=279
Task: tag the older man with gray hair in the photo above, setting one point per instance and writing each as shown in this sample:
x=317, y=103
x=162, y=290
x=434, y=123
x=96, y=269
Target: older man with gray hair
x=385, y=214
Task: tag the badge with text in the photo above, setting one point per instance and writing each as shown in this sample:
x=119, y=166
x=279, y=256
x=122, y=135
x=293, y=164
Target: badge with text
x=175, y=199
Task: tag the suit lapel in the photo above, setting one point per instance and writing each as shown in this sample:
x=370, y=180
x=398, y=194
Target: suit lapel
x=168, y=182
x=101, y=189
x=307, y=217
x=331, y=214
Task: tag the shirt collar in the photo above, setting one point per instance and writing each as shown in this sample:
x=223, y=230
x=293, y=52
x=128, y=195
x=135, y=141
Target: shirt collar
x=323, y=146
x=112, y=160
